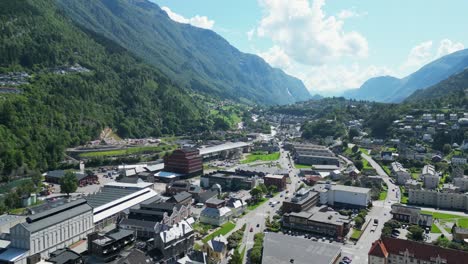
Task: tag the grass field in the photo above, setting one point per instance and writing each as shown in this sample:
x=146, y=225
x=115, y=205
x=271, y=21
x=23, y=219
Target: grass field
x=435, y=229
x=302, y=166
x=383, y=195
x=356, y=234
x=226, y=228
x=365, y=151
x=128, y=151
x=461, y=221
x=261, y=156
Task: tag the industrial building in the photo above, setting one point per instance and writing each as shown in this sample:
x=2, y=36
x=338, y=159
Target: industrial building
x=310, y=154
x=48, y=231
x=113, y=199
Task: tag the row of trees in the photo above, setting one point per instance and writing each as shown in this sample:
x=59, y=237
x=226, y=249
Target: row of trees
x=258, y=191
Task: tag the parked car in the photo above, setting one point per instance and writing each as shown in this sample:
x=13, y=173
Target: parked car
x=251, y=229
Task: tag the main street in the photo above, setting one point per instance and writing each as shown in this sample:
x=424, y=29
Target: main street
x=380, y=210
x=255, y=219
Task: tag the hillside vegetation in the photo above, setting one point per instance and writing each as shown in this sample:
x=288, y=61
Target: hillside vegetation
x=195, y=58
x=55, y=110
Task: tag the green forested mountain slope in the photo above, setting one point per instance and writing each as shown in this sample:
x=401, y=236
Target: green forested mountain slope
x=193, y=57
x=55, y=110
x=452, y=91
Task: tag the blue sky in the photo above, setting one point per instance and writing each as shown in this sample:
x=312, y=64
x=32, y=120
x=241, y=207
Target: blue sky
x=334, y=45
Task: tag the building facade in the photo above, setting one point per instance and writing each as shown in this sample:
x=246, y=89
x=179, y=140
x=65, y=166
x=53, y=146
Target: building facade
x=304, y=199
x=185, y=161
x=275, y=180
x=432, y=198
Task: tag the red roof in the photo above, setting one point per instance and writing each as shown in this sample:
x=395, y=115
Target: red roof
x=378, y=249
x=421, y=251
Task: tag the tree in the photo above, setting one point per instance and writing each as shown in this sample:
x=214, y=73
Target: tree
x=236, y=258
x=68, y=183
x=446, y=149
x=415, y=233
x=272, y=189
x=359, y=165
x=355, y=149
x=36, y=177
x=256, y=193
x=353, y=132
x=358, y=221
x=263, y=188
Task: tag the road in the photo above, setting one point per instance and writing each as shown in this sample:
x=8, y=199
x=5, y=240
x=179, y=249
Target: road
x=257, y=216
x=380, y=210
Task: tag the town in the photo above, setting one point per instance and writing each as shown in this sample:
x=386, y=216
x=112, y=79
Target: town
x=347, y=199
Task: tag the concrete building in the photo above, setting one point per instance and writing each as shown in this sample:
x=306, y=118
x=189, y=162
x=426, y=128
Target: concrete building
x=310, y=154
x=229, y=181
x=48, y=231
x=275, y=180
x=459, y=160
x=186, y=161
x=411, y=214
x=342, y=195
x=304, y=199
x=460, y=234
x=413, y=184
x=298, y=250
x=462, y=183
x=106, y=247
x=401, y=251
x=400, y=173
x=215, y=213
x=430, y=177
x=436, y=199
x=319, y=221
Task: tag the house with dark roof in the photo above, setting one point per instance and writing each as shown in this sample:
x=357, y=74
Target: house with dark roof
x=400, y=251
x=83, y=178
x=183, y=198
x=65, y=256
x=136, y=256
x=217, y=249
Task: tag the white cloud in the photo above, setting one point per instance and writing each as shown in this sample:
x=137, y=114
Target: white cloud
x=250, y=34
x=424, y=53
x=347, y=13
x=418, y=56
x=447, y=47
x=276, y=57
x=197, y=21
x=306, y=34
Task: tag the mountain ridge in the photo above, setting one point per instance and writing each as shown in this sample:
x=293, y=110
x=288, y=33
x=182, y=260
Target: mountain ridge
x=395, y=90
x=195, y=58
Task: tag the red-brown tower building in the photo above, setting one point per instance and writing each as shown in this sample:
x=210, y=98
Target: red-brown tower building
x=185, y=161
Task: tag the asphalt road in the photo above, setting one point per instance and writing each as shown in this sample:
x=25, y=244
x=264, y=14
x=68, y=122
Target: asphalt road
x=257, y=216
x=380, y=210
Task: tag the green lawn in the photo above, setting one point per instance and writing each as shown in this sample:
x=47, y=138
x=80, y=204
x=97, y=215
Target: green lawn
x=383, y=195
x=366, y=164
x=226, y=228
x=128, y=151
x=356, y=234
x=302, y=166
x=415, y=175
x=463, y=222
x=435, y=229
x=443, y=216
x=261, y=156
x=365, y=151
x=386, y=169
x=404, y=199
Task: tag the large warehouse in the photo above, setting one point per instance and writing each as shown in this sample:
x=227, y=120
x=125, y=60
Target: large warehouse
x=113, y=199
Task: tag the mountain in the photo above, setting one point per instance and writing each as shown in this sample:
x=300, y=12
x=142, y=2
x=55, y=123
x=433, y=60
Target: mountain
x=391, y=89
x=452, y=91
x=369, y=92
x=62, y=84
x=195, y=58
